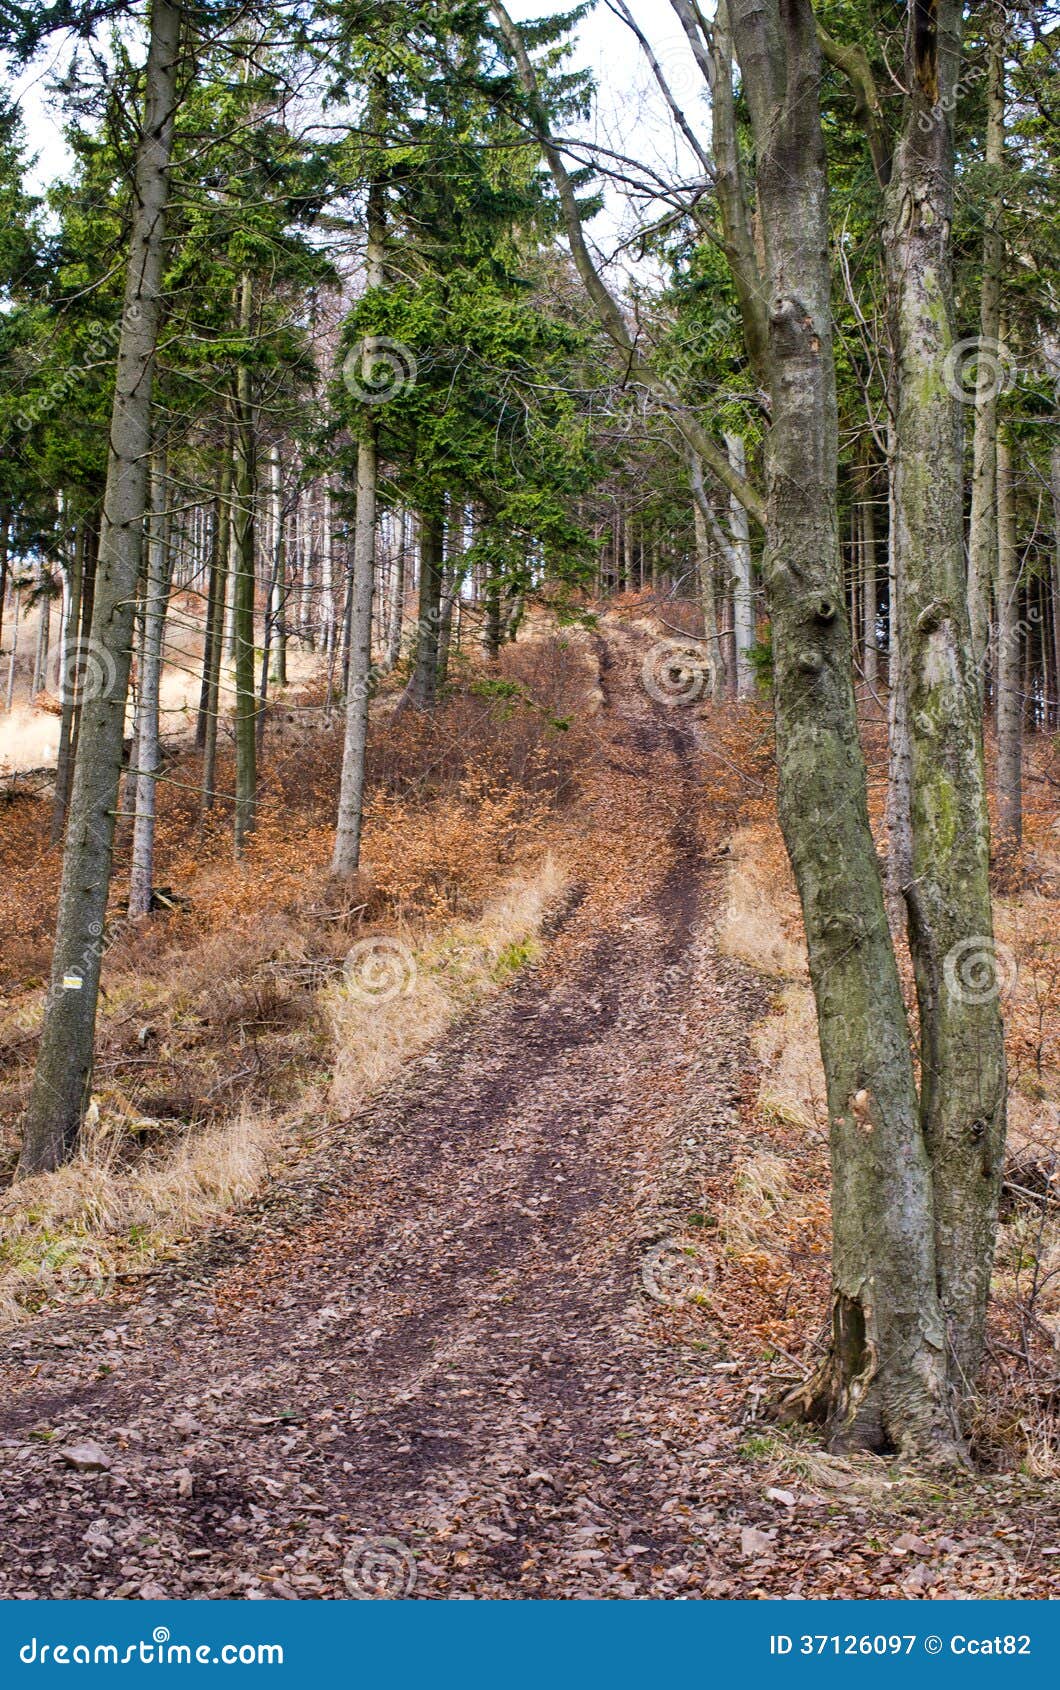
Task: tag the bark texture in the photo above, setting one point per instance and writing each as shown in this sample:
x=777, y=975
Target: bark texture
x=62, y=1080
x=884, y=1383
x=947, y=892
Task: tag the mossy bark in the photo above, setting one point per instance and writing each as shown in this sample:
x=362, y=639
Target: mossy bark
x=947, y=891
x=884, y=1382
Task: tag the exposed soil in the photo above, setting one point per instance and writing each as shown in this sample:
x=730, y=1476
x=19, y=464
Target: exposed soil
x=462, y=1327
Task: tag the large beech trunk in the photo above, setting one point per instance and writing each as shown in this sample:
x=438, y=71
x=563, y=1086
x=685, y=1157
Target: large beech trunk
x=884, y=1382
x=947, y=892
x=62, y=1080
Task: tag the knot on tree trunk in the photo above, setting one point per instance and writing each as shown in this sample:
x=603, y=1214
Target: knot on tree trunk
x=792, y=327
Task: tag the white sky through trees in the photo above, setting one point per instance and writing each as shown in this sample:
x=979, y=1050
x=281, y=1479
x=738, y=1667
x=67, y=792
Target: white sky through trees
x=629, y=118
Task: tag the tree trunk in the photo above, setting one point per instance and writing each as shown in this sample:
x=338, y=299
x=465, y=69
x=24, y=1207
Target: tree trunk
x=219, y=586
x=243, y=587
x=68, y=676
x=146, y=750
x=423, y=686
x=1054, y=494
x=743, y=587
x=44, y=619
x=454, y=576
x=397, y=596
x=5, y=529
x=279, y=594
x=347, y=853
x=705, y=576
x=13, y=655
x=884, y=1384
x=1010, y=691
x=948, y=892
x=214, y=602
x=328, y=572
x=983, y=534
x=867, y=557
x=62, y=1081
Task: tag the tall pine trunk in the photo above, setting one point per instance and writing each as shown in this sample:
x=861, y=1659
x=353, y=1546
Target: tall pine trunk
x=347, y=853
x=243, y=587
x=146, y=749
x=1010, y=684
x=423, y=685
x=68, y=672
x=219, y=593
x=62, y=1081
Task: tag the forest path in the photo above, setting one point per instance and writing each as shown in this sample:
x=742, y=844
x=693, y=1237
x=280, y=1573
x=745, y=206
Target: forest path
x=440, y=1334
x=449, y=1353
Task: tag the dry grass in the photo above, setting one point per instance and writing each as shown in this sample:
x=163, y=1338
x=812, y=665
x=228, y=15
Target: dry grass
x=69, y=1233
x=440, y=976
x=761, y=1195
x=760, y=921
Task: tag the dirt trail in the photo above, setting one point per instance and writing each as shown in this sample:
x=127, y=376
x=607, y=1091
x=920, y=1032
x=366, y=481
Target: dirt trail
x=435, y=1359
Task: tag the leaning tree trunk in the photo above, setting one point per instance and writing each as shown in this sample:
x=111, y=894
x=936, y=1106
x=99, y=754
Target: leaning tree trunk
x=884, y=1382
x=146, y=749
x=62, y=1080
x=948, y=891
x=347, y=853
